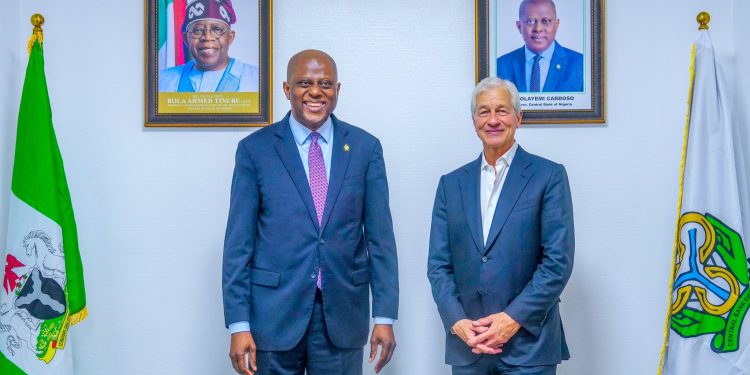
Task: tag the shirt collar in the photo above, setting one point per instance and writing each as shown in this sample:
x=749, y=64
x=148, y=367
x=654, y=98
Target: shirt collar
x=508, y=156
x=302, y=134
x=546, y=54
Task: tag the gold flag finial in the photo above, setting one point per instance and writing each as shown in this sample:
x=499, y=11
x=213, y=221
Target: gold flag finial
x=703, y=19
x=37, y=34
x=37, y=20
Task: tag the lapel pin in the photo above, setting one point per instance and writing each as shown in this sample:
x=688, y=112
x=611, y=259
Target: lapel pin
x=557, y=66
x=346, y=148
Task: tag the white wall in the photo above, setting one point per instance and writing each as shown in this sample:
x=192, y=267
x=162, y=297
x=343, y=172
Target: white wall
x=10, y=72
x=151, y=204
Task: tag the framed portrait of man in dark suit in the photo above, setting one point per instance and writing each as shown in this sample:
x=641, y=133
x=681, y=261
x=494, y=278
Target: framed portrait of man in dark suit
x=552, y=50
x=208, y=62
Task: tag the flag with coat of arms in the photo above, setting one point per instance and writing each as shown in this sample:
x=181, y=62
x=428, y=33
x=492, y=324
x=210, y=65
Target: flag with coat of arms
x=42, y=291
x=708, y=328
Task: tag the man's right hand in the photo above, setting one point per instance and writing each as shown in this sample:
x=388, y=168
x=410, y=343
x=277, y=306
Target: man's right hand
x=243, y=344
x=465, y=330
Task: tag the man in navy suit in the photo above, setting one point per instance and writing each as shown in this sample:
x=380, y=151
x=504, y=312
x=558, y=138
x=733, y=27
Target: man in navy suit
x=501, y=248
x=309, y=234
x=542, y=64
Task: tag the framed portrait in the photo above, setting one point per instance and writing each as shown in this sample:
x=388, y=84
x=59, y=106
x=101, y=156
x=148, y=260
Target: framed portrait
x=552, y=50
x=208, y=63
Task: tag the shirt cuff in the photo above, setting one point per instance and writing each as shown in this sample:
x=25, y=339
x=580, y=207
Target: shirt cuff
x=239, y=327
x=382, y=320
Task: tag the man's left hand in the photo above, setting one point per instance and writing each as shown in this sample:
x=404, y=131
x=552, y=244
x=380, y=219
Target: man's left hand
x=501, y=329
x=382, y=334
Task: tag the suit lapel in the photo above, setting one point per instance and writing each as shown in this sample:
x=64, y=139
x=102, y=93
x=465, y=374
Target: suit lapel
x=470, y=182
x=519, y=71
x=517, y=179
x=339, y=164
x=558, y=59
x=288, y=152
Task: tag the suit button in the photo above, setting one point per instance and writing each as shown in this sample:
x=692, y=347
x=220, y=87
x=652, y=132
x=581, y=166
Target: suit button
x=313, y=275
x=322, y=241
x=484, y=259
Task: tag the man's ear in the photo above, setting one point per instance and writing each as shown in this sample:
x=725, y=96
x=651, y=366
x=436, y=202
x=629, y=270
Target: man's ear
x=287, y=90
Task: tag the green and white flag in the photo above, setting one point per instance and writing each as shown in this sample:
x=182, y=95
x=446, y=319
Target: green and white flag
x=42, y=293
x=708, y=330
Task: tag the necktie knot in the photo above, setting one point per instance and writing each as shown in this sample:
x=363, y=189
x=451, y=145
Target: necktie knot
x=314, y=137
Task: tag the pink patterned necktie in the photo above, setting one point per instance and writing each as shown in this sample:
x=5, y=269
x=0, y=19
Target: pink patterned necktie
x=318, y=180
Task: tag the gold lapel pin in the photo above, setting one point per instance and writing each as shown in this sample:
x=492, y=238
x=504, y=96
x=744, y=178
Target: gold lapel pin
x=346, y=148
x=557, y=66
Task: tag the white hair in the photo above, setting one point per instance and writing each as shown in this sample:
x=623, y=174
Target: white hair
x=496, y=83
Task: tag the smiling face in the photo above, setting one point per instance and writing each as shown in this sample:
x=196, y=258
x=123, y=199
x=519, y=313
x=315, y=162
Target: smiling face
x=495, y=120
x=538, y=24
x=312, y=87
x=210, y=51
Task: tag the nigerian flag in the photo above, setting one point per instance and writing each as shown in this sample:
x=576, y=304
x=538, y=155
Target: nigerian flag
x=171, y=14
x=708, y=330
x=42, y=293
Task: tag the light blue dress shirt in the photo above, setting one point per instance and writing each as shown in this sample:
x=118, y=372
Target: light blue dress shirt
x=544, y=63
x=302, y=138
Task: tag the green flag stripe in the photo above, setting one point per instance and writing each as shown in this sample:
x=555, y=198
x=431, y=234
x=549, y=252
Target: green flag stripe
x=7, y=367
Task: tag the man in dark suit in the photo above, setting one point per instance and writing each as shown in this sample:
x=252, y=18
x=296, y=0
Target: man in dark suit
x=501, y=248
x=309, y=233
x=542, y=64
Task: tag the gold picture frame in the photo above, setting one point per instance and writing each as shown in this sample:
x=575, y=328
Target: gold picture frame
x=242, y=96
x=574, y=88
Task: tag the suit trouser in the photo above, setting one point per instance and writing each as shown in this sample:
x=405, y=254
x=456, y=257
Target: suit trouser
x=314, y=353
x=491, y=365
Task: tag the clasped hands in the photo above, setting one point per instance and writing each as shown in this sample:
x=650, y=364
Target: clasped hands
x=487, y=335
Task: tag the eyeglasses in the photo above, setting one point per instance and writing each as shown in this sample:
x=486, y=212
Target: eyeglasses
x=216, y=31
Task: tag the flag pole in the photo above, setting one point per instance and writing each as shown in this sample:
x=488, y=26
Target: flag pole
x=37, y=35
x=703, y=19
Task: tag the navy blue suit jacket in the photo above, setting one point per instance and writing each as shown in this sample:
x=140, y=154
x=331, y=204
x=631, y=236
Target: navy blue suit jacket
x=274, y=244
x=567, y=78
x=521, y=270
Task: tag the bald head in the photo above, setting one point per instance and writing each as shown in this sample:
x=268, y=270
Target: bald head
x=302, y=58
x=537, y=23
x=312, y=87
x=526, y=3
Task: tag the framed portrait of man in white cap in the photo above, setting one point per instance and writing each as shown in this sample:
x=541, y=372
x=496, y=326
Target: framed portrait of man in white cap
x=208, y=63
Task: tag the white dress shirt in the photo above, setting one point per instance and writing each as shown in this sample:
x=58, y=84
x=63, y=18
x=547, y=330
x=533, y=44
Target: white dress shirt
x=491, y=184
